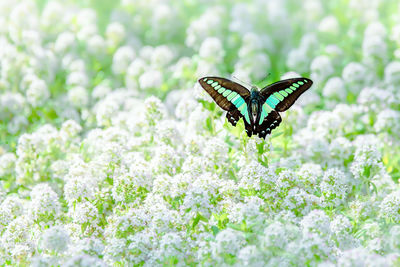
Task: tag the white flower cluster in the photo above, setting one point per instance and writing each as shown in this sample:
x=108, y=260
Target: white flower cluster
x=111, y=155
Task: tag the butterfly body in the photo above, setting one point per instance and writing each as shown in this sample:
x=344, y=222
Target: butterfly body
x=258, y=108
x=255, y=105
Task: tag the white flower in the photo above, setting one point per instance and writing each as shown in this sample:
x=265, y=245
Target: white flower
x=114, y=103
x=250, y=211
x=78, y=96
x=299, y=201
x=84, y=260
x=335, y=88
x=55, y=238
x=394, y=239
x=163, y=21
x=162, y=56
x=286, y=181
x=44, y=205
x=255, y=65
x=375, y=98
x=115, y=33
x=315, y=222
x=321, y=68
x=298, y=60
x=97, y=45
x=341, y=149
x=185, y=106
x=80, y=182
x=64, y=41
x=388, y=120
x=255, y=176
x=341, y=229
x=134, y=175
x=24, y=17
x=367, y=162
x=216, y=150
x=86, y=32
x=228, y=241
x=251, y=256
x=335, y=186
x=77, y=66
x=7, y=163
x=278, y=235
x=392, y=73
x=376, y=28
x=310, y=174
x=240, y=18
x=101, y=91
x=361, y=257
x=11, y=207
x=341, y=224
x=207, y=25
x=170, y=246
x=17, y=124
x=349, y=116
x=374, y=48
x=53, y=17
x=122, y=58
x=309, y=42
x=324, y=123
x=135, y=69
x=16, y=239
x=329, y=25
x=78, y=78
x=146, y=52
x=167, y=132
x=37, y=93
x=70, y=129
x=389, y=208
x=166, y=159
x=151, y=79
x=86, y=215
x=354, y=75
x=11, y=104
x=154, y=109
x=211, y=49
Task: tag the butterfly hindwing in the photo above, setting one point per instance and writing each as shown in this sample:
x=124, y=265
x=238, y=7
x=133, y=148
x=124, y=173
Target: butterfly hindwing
x=230, y=96
x=233, y=117
x=282, y=95
x=267, y=124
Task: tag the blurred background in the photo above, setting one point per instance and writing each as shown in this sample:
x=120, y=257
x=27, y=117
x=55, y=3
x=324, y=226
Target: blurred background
x=60, y=58
x=111, y=152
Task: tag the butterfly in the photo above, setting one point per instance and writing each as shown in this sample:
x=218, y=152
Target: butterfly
x=259, y=109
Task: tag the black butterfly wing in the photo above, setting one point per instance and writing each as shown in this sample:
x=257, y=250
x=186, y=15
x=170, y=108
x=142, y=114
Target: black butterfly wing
x=270, y=122
x=233, y=117
x=230, y=96
x=282, y=95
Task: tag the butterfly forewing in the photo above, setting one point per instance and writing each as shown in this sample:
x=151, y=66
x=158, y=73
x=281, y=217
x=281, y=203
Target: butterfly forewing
x=282, y=95
x=230, y=96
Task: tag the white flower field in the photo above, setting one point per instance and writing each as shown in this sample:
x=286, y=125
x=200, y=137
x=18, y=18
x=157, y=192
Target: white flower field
x=111, y=153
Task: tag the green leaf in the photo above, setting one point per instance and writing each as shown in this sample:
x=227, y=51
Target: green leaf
x=215, y=230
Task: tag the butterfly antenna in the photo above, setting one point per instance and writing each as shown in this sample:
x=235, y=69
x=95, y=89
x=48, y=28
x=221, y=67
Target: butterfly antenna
x=266, y=77
x=241, y=81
